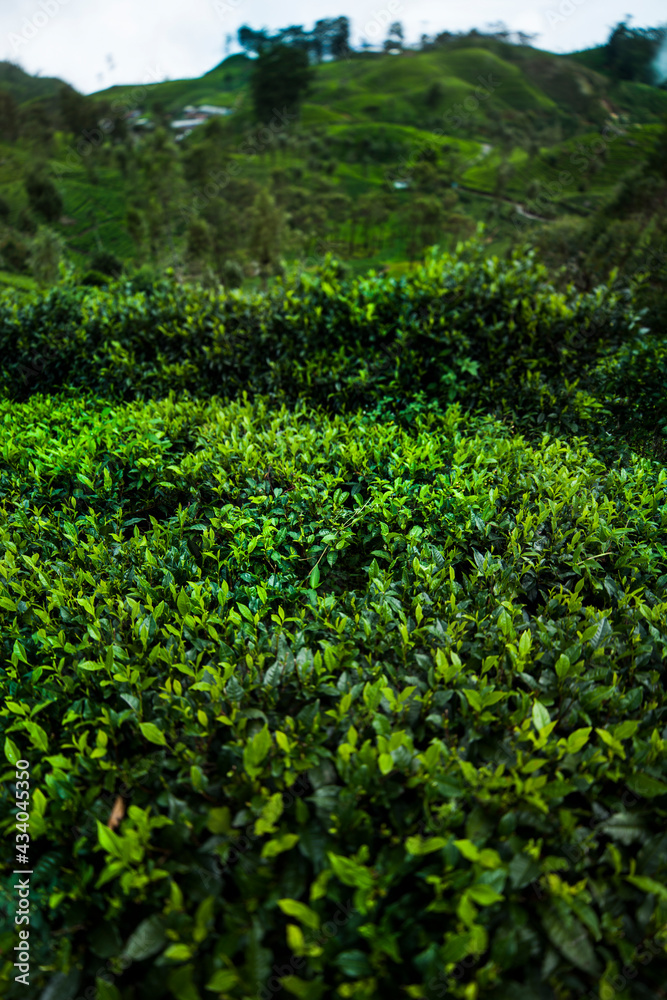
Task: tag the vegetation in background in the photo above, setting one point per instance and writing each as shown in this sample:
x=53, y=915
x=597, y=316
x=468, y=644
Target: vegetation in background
x=630, y=53
x=388, y=154
x=280, y=80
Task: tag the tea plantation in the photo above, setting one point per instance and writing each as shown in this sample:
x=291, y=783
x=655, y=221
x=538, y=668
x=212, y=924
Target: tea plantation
x=334, y=624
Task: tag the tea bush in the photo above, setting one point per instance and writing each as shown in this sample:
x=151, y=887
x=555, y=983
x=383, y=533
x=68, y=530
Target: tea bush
x=633, y=378
x=403, y=679
x=493, y=334
x=346, y=681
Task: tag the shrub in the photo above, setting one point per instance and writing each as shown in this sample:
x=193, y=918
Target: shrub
x=94, y=279
x=332, y=625
x=231, y=274
x=495, y=335
x=43, y=195
x=46, y=251
x=26, y=222
x=107, y=263
x=14, y=252
x=145, y=279
x=199, y=240
x=341, y=704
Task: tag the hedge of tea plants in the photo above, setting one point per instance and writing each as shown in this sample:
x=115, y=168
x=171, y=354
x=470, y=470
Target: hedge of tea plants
x=493, y=334
x=346, y=684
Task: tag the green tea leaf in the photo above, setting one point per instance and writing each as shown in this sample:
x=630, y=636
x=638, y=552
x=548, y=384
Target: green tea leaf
x=146, y=940
x=106, y=990
x=152, y=733
x=222, y=980
x=570, y=937
x=648, y=885
x=467, y=849
x=419, y=845
x=293, y=908
x=256, y=750
x=310, y=989
x=578, y=739
x=350, y=872
x=285, y=842
x=525, y=642
x=624, y=827
x=646, y=785
x=541, y=717
x=183, y=603
x=12, y=752
x=484, y=895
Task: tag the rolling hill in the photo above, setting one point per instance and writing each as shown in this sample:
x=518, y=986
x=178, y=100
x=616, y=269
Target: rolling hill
x=23, y=87
x=501, y=125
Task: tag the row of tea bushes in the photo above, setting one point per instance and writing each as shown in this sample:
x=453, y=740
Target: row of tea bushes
x=379, y=708
x=491, y=333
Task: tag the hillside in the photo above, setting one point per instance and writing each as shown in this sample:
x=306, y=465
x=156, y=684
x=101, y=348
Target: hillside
x=23, y=87
x=391, y=154
x=395, y=89
x=219, y=85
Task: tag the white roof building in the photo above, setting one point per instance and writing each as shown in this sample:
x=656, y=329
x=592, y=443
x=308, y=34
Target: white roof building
x=212, y=109
x=184, y=123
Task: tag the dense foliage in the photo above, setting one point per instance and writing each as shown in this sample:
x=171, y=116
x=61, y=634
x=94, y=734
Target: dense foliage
x=630, y=52
x=280, y=80
x=372, y=156
x=333, y=627
x=467, y=326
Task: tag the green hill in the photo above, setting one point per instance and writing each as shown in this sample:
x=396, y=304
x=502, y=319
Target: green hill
x=593, y=58
x=393, y=88
x=476, y=128
x=24, y=87
x=522, y=80
x=220, y=85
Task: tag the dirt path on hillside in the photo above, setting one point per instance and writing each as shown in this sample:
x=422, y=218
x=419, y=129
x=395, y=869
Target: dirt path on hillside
x=509, y=201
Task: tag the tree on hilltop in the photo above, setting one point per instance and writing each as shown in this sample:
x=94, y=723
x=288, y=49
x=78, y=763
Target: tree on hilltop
x=9, y=117
x=280, y=80
x=629, y=52
x=330, y=36
x=43, y=195
x=266, y=233
x=252, y=41
x=395, y=37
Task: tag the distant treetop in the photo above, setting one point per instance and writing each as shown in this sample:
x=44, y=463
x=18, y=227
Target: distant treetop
x=329, y=38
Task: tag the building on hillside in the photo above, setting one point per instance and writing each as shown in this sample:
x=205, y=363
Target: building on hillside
x=212, y=109
x=190, y=117
x=142, y=124
x=184, y=126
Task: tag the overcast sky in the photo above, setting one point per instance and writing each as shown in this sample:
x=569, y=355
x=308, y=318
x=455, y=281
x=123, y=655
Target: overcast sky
x=93, y=44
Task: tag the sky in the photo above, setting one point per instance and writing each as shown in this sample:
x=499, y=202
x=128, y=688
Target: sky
x=93, y=45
